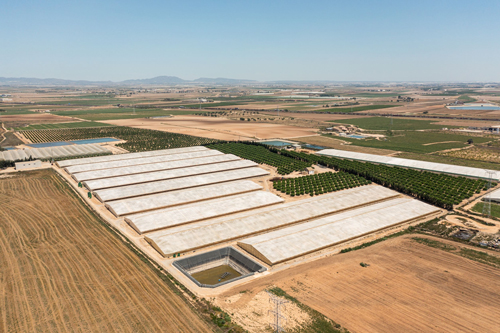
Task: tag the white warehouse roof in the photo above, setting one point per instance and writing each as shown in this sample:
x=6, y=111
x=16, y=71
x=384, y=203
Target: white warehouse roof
x=413, y=164
x=291, y=242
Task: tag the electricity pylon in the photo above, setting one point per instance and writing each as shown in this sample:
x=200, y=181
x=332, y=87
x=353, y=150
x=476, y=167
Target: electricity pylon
x=487, y=197
x=278, y=317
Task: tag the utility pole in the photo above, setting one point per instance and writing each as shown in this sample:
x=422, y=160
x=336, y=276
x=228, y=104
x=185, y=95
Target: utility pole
x=487, y=197
x=278, y=317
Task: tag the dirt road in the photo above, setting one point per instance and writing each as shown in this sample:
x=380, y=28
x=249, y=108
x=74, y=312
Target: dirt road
x=62, y=270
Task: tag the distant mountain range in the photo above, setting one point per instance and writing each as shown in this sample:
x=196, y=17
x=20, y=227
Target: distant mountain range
x=159, y=80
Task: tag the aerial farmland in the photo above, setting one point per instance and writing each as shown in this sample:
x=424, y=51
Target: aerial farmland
x=220, y=205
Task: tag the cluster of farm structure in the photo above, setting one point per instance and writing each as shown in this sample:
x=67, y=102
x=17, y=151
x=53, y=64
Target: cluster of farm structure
x=193, y=200
x=216, y=209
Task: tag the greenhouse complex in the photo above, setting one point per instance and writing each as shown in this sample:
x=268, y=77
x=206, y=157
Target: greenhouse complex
x=200, y=198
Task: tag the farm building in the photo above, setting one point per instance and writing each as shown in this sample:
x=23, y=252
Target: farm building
x=28, y=165
x=412, y=164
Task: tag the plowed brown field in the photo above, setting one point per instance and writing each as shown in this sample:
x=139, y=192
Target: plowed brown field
x=408, y=287
x=62, y=270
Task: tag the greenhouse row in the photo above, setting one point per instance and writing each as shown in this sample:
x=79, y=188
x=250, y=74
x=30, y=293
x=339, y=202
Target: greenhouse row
x=139, y=161
x=54, y=152
x=166, y=174
x=291, y=242
x=413, y=164
x=120, y=157
x=189, y=237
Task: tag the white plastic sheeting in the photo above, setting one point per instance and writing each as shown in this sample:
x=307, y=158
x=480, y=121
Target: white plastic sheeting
x=182, y=197
x=53, y=152
x=139, y=161
x=166, y=174
x=119, y=157
x=185, y=238
x=169, y=217
x=294, y=241
x=412, y=164
x=144, y=168
x=177, y=184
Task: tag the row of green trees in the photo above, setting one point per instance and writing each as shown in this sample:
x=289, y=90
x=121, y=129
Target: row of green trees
x=441, y=190
x=262, y=154
x=137, y=139
x=319, y=184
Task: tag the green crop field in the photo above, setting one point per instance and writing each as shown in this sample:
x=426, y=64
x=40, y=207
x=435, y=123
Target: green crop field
x=385, y=123
x=419, y=142
x=495, y=209
x=121, y=113
x=81, y=124
x=210, y=105
x=358, y=108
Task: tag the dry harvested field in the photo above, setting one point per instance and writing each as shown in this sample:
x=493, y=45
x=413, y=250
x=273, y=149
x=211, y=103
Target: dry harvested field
x=408, y=287
x=35, y=118
x=62, y=270
x=216, y=128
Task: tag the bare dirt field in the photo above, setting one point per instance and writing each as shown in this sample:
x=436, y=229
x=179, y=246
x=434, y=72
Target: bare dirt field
x=216, y=128
x=407, y=287
x=62, y=270
x=35, y=118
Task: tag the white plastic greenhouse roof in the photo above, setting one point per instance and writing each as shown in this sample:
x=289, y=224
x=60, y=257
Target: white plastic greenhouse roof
x=291, y=242
x=63, y=164
x=413, y=164
x=166, y=174
x=177, y=184
x=169, y=217
x=140, y=161
x=190, y=237
x=143, y=168
x=181, y=197
x=494, y=195
x=53, y=152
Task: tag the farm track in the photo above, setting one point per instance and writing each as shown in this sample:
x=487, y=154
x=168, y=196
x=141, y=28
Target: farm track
x=62, y=270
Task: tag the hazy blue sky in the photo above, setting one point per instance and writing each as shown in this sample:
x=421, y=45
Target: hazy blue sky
x=420, y=40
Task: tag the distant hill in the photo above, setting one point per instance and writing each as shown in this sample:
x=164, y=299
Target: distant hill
x=159, y=80
x=221, y=80
x=156, y=80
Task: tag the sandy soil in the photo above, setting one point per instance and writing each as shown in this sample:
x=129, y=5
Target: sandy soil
x=216, y=128
x=254, y=314
x=61, y=270
x=35, y=118
x=408, y=287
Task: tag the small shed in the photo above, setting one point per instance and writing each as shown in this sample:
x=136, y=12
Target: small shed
x=309, y=170
x=28, y=164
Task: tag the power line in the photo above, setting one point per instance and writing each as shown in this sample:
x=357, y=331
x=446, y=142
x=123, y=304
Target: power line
x=487, y=197
x=278, y=317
